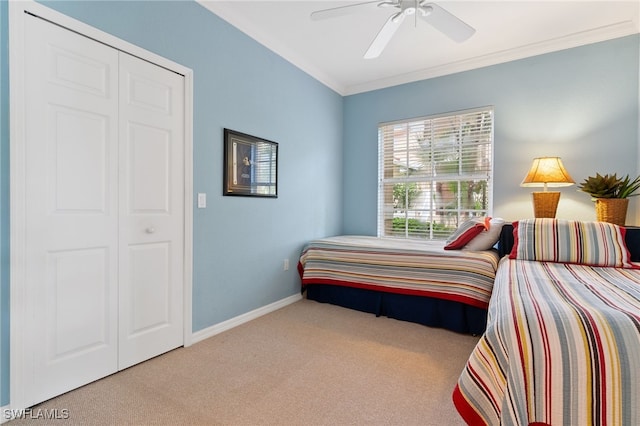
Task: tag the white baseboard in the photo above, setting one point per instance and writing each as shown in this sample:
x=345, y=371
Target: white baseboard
x=241, y=319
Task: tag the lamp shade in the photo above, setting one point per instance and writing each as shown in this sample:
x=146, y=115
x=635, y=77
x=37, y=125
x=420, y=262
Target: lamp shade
x=547, y=171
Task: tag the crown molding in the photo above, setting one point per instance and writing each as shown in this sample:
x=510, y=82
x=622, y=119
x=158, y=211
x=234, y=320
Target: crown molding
x=609, y=32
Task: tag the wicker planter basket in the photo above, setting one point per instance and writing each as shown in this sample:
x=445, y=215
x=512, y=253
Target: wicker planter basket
x=612, y=210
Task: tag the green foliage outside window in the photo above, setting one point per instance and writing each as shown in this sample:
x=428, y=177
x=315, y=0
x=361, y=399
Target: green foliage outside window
x=416, y=227
x=404, y=194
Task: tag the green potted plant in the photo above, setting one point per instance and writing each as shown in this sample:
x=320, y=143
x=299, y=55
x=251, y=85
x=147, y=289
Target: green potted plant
x=611, y=195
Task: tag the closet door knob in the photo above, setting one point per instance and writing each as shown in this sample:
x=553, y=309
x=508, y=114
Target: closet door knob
x=150, y=230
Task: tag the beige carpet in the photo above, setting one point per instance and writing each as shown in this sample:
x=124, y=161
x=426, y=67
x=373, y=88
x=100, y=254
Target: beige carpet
x=305, y=364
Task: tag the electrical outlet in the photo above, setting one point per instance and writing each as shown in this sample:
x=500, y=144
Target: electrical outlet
x=285, y=265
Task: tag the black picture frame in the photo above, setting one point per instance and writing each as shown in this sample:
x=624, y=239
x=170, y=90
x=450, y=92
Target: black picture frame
x=250, y=165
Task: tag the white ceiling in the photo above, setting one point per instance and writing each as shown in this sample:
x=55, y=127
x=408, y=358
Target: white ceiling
x=331, y=50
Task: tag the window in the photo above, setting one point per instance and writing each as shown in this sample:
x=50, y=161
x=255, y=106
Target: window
x=434, y=173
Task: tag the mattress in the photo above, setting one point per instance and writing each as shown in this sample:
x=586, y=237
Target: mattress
x=400, y=266
x=562, y=347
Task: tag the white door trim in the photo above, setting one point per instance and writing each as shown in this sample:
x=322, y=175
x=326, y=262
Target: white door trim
x=17, y=13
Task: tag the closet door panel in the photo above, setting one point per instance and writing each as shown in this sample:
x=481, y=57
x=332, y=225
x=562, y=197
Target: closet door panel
x=149, y=150
x=71, y=209
x=151, y=233
x=149, y=285
x=79, y=162
x=77, y=275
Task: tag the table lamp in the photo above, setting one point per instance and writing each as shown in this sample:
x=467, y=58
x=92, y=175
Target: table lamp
x=546, y=172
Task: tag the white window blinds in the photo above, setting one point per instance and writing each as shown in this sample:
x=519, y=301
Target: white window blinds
x=434, y=172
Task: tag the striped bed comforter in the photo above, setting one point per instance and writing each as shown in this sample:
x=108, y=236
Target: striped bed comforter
x=400, y=266
x=562, y=347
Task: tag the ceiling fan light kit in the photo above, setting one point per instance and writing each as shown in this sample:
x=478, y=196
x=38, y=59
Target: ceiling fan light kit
x=439, y=18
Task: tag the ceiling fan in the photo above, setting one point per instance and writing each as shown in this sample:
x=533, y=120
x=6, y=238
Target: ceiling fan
x=439, y=18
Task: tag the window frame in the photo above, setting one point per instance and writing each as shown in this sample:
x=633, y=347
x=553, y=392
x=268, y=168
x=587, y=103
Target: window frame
x=461, y=214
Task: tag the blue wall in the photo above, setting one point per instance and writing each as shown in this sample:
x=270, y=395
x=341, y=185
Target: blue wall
x=239, y=243
x=580, y=104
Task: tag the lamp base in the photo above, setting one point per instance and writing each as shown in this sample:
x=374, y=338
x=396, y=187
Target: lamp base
x=545, y=204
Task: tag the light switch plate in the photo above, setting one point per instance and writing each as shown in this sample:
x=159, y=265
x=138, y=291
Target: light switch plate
x=202, y=200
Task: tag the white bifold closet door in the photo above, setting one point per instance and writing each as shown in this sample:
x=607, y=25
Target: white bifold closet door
x=104, y=194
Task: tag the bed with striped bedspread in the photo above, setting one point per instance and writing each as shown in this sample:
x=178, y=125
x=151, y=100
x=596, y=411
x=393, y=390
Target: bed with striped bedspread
x=400, y=266
x=562, y=347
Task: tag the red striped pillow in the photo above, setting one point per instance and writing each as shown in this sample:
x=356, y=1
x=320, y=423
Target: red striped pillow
x=571, y=241
x=466, y=232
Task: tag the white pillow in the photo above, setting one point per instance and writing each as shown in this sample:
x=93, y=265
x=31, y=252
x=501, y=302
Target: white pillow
x=486, y=239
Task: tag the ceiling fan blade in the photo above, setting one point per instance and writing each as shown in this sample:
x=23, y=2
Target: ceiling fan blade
x=448, y=24
x=384, y=35
x=342, y=10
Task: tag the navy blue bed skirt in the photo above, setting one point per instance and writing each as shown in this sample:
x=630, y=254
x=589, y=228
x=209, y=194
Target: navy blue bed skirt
x=428, y=311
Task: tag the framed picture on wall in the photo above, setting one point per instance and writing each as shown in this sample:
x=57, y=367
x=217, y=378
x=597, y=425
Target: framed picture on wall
x=250, y=165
